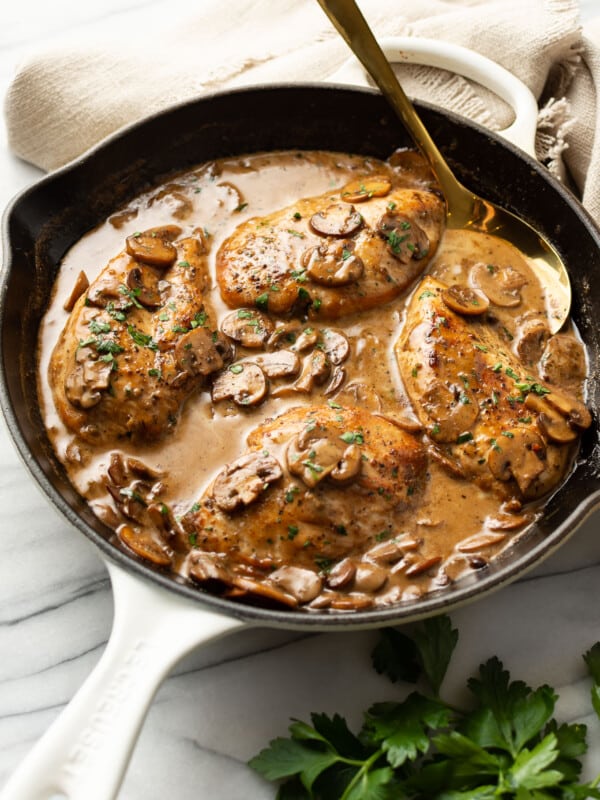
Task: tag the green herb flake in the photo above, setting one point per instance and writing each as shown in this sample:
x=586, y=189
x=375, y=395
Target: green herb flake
x=236, y=368
x=293, y=531
x=262, y=301
x=467, y=436
x=352, y=437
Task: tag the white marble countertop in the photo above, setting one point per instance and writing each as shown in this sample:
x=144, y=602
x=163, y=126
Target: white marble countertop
x=224, y=702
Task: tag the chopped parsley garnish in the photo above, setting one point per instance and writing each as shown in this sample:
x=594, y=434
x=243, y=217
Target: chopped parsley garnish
x=141, y=339
x=299, y=234
x=132, y=294
x=351, y=437
x=262, y=301
x=467, y=436
x=426, y=293
x=292, y=531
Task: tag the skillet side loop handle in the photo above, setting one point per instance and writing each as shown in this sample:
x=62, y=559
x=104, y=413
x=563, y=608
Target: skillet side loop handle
x=469, y=64
x=85, y=753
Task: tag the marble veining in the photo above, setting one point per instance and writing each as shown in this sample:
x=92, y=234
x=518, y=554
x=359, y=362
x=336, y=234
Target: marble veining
x=223, y=702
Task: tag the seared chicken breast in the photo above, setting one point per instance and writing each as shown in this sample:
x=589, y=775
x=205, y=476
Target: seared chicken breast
x=333, y=254
x=139, y=339
x=488, y=418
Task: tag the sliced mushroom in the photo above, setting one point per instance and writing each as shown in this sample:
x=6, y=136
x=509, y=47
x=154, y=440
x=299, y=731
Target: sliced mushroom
x=423, y=565
x=315, y=370
x=306, y=340
x=333, y=263
x=501, y=285
x=143, y=281
x=453, y=410
x=405, y=239
x=256, y=591
x=563, y=361
x=335, y=345
x=208, y=570
x=316, y=454
x=479, y=541
x=519, y=454
x=531, y=338
x=575, y=412
x=79, y=287
x=358, y=191
x=154, y=246
x=507, y=522
x=244, y=383
x=386, y=552
x=552, y=423
x=337, y=220
x=278, y=364
x=145, y=545
x=247, y=326
x=200, y=352
x=245, y=480
x=369, y=577
x=338, y=376
x=341, y=574
x=84, y=384
x=303, y=584
x=284, y=335
x=465, y=301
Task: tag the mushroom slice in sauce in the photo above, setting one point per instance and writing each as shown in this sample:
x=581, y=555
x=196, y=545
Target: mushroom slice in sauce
x=247, y=326
x=315, y=370
x=303, y=584
x=453, y=410
x=572, y=409
x=405, y=238
x=199, y=352
x=358, y=191
x=79, y=287
x=465, y=301
x=144, y=283
x=335, y=345
x=530, y=341
x=337, y=220
x=244, y=383
x=501, y=285
x=245, y=480
x=85, y=384
x=551, y=421
x=563, y=362
x=520, y=455
x=316, y=454
x=145, y=545
x=209, y=570
x=154, y=246
x=333, y=263
x=277, y=364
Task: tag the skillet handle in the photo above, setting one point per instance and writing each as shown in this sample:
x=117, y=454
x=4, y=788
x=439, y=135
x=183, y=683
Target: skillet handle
x=469, y=64
x=85, y=753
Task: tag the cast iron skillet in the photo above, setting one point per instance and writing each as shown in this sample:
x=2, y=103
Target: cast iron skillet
x=45, y=221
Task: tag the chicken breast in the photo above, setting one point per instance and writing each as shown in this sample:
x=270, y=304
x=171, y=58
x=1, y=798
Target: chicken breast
x=316, y=485
x=333, y=254
x=488, y=418
x=138, y=341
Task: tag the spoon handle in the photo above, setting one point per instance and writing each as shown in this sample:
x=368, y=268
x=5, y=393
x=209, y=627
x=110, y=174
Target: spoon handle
x=352, y=26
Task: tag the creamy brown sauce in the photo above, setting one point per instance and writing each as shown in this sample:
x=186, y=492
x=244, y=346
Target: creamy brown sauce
x=457, y=526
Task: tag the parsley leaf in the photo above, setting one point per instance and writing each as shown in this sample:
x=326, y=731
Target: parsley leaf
x=505, y=746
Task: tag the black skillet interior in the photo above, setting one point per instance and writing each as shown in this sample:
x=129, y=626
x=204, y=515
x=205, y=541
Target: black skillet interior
x=46, y=220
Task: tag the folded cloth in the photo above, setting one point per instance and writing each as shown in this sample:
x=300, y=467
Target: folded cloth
x=62, y=102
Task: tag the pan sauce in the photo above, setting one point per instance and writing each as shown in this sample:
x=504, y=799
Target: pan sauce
x=453, y=526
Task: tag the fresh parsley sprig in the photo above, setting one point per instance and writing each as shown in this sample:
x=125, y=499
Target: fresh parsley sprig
x=505, y=745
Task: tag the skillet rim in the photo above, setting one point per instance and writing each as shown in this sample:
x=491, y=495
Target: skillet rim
x=501, y=572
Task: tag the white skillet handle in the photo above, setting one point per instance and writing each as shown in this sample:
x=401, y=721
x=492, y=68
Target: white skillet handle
x=465, y=62
x=84, y=754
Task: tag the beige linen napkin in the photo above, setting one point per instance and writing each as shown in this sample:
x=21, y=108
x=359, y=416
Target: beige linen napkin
x=62, y=102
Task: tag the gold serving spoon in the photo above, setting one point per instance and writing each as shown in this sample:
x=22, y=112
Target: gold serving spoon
x=464, y=210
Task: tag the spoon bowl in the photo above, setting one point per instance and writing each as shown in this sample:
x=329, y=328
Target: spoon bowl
x=464, y=209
